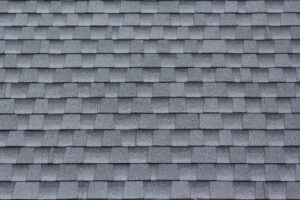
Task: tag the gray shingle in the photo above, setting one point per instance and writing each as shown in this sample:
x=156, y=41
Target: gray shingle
x=26, y=190
x=257, y=172
x=119, y=155
x=206, y=172
x=5, y=172
x=133, y=189
x=187, y=121
x=210, y=121
x=115, y=189
x=254, y=121
x=204, y=154
x=221, y=190
x=97, y=190
x=180, y=189
x=292, y=121
x=71, y=121
x=6, y=105
x=159, y=155
x=48, y=190
x=212, y=46
x=292, y=190
x=67, y=190
x=275, y=190
x=8, y=121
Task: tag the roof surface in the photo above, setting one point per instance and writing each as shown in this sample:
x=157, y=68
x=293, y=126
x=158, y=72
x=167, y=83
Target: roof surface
x=149, y=99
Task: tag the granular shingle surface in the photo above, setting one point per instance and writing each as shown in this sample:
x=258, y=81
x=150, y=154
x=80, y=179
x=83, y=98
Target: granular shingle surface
x=150, y=99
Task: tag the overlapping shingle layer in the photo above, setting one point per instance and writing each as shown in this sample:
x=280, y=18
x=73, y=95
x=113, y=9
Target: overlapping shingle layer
x=150, y=99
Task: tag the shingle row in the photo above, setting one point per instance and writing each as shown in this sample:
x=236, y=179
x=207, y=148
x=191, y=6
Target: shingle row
x=121, y=90
x=149, y=6
x=139, y=138
x=167, y=74
x=147, y=172
x=148, y=32
x=148, y=155
x=149, y=46
x=149, y=189
x=74, y=60
x=117, y=19
x=150, y=105
x=149, y=121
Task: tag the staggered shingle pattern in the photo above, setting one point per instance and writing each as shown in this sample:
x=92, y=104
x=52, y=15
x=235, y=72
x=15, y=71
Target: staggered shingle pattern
x=150, y=99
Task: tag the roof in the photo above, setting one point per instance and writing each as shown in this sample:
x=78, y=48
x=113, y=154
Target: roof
x=150, y=99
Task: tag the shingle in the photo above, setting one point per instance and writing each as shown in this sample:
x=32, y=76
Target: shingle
x=36, y=121
x=255, y=121
x=180, y=189
x=104, y=121
x=8, y=121
x=139, y=172
x=292, y=121
x=138, y=155
x=133, y=189
x=206, y=172
x=13, y=47
x=241, y=172
x=255, y=155
x=237, y=154
x=97, y=190
x=257, y=138
x=221, y=190
x=155, y=189
x=203, y=6
x=204, y=154
x=224, y=172
x=244, y=190
x=167, y=172
x=6, y=189
x=119, y=155
x=115, y=190
x=26, y=190
x=125, y=121
x=104, y=172
x=199, y=189
x=177, y=90
x=6, y=105
x=71, y=121
x=5, y=172
x=185, y=121
x=19, y=173
x=181, y=155
x=274, y=155
x=210, y=121
x=293, y=190
x=67, y=172
x=291, y=137
x=73, y=155
x=159, y=155
x=215, y=89
x=67, y=190
x=48, y=190
x=257, y=172
x=275, y=190
x=212, y=46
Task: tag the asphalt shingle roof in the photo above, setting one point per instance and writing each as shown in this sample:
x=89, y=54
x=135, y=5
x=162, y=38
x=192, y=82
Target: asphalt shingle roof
x=150, y=99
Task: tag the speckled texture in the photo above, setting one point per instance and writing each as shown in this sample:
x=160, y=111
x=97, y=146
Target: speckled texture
x=150, y=99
